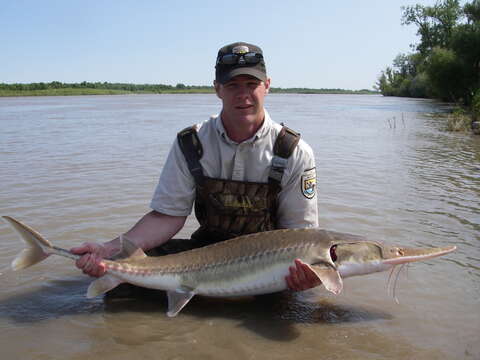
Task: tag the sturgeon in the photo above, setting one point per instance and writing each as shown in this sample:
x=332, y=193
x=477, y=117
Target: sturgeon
x=247, y=265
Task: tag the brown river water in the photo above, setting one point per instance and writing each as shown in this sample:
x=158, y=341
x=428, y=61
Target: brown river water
x=84, y=168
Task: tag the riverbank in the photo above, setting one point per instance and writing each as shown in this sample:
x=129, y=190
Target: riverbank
x=89, y=91
x=461, y=120
x=56, y=88
x=93, y=91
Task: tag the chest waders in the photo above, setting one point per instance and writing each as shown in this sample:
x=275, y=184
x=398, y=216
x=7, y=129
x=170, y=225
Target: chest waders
x=229, y=208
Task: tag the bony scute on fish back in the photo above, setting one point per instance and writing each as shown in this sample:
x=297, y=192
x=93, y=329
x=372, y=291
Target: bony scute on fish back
x=246, y=265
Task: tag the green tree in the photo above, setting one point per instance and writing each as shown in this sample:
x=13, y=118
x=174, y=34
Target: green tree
x=446, y=61
x=55, y=85
x=472, y=11
x=435, y=23
x=420, y=86
x=446, y=74
x=466, y=44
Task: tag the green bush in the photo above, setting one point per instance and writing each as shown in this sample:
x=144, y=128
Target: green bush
x=419, y=85
x=476, y=106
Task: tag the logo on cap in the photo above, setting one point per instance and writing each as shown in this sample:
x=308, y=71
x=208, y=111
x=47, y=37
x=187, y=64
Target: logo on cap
x=242, y=49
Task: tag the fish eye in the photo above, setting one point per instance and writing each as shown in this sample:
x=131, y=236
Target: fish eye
x=333, y=253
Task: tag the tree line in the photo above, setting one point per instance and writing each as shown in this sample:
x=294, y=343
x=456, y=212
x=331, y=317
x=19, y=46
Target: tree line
x=445, y=64
x=50, y=88
x=150, y=88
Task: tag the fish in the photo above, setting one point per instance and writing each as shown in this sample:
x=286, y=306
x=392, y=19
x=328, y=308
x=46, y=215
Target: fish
x=252, y=264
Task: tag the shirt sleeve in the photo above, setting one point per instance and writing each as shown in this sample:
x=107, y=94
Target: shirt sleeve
x=297, y=202
x=175, y=191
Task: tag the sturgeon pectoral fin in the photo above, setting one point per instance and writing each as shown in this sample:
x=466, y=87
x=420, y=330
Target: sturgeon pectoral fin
x=177, y=299
x=102, y=285
x=329, y=277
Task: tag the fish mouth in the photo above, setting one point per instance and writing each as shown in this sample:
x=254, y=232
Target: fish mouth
x=396, y=255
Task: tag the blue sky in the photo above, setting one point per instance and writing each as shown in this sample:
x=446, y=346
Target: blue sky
x=316, y=44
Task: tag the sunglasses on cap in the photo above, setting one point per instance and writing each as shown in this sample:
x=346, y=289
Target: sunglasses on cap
x=240, y=59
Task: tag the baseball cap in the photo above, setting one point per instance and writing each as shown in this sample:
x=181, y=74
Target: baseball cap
x=240, y=58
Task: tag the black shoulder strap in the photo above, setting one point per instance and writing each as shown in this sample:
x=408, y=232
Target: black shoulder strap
x=193, y=152
x=284, y=145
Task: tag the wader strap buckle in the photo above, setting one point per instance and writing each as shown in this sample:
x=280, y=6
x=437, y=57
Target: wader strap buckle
x=278, y=167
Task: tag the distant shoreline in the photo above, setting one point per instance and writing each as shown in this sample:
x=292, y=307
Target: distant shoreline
x=56, y=88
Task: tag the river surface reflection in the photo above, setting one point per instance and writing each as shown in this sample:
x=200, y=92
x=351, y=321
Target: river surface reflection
x=84, y=168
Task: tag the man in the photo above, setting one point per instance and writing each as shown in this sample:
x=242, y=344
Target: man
x=244, y=173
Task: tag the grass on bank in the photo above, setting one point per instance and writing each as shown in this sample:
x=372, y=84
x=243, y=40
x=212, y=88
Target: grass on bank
x=55, y=88
x=90, y=91
x=459, y=121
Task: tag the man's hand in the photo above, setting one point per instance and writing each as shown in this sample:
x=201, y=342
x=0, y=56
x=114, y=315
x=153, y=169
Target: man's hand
x=91, y=261
x=301, y=277
x=152, y=230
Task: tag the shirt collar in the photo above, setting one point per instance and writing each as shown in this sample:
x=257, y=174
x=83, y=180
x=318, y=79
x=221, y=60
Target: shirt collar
x=261, y=132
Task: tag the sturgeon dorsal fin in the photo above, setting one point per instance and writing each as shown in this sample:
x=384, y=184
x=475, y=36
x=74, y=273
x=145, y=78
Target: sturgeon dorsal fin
x=128, y=250
x=329, y=277
x=177, y=299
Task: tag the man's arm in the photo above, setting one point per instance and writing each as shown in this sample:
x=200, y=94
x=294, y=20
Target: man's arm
x=298, y=208
x=152, y=230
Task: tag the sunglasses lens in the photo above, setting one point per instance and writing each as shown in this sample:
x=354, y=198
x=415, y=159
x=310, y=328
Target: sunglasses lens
x=229, y=59
x=252, y=58
x=247, y=58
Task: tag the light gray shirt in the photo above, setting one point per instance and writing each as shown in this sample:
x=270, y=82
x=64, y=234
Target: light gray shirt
x=250, y=161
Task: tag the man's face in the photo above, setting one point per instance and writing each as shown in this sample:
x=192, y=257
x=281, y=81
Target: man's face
x=243, y=98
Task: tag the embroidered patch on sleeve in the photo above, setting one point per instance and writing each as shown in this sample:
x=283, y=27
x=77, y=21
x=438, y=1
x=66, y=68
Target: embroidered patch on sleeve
x=309, y=183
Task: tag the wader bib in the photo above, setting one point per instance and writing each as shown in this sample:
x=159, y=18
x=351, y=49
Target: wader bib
x=229, y=208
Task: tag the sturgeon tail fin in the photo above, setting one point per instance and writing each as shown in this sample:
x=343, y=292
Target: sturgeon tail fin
x=37, y=249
